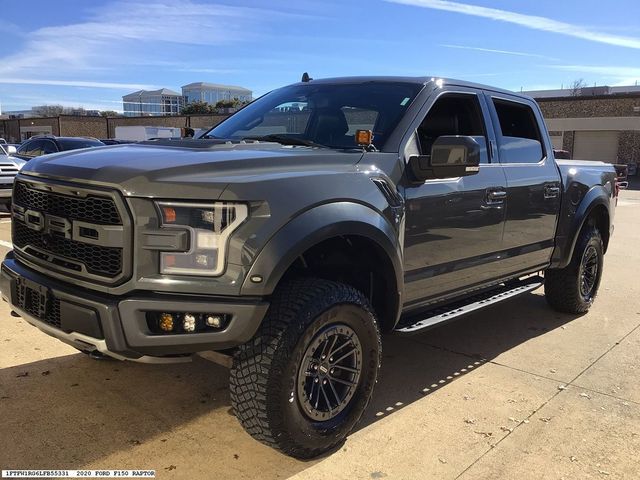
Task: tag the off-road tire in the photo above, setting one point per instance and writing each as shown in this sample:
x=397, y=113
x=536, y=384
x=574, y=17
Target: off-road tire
x=562, y=286
x=264, y=376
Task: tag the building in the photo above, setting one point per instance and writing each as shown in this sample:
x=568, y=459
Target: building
x=213, y=93
x=152, y=103
x=594, y=123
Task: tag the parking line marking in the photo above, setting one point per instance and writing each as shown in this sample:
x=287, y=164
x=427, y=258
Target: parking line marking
x=6, y=244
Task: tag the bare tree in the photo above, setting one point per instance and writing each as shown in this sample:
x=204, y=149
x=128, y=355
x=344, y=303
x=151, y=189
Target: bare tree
x=49, y=110
x=577, y=86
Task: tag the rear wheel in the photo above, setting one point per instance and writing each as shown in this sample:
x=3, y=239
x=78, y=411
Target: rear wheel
x=301, y=384
x=574, y=288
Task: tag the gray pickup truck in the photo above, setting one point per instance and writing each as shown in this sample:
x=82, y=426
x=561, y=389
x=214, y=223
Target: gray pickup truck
x=300, y=228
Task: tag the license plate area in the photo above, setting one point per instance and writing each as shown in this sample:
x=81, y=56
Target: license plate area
x=31, y=297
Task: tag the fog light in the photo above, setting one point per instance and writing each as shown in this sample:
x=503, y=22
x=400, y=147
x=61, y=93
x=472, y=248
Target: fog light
x=166, y=322
x=189, y=323
x=214, y=321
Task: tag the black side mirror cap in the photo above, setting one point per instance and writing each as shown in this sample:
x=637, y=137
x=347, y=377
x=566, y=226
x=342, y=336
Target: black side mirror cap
x=451, y=156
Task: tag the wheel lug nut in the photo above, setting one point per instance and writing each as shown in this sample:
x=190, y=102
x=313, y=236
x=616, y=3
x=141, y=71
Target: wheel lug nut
x=324, y=382
x=332, y=370
x=316, y=380
x=331, y=359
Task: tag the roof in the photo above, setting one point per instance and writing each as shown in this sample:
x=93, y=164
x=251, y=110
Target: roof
x=417, y=80
x=161, y=91
x=217, y=86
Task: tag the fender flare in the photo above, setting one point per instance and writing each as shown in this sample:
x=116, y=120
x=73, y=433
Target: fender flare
x=315, y=225
x=565, y=244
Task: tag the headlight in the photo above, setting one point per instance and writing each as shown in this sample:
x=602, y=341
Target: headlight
x=209, y=226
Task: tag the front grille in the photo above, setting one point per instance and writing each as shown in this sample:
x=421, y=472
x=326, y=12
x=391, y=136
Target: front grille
x=90, y=209
x=71, y=230
x=37, y=305
x=105, y=261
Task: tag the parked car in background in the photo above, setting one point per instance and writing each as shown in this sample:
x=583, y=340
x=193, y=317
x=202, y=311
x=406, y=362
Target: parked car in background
x=561, y=155
x=9, y=168
x=44, y=145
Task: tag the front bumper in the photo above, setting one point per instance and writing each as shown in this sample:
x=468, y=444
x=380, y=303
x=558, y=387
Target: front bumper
x=116, y=325
x=5, y=190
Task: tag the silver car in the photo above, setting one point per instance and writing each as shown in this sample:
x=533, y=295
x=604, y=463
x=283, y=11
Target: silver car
x=9, y=168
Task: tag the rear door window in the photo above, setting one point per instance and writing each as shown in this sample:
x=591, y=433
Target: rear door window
x=48, y=147
x=520, y=139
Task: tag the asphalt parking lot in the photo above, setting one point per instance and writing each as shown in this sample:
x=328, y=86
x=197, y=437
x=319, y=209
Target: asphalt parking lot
x=515, y=391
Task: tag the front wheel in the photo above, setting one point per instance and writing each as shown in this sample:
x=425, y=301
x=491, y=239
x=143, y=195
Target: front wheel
x=304, y=380
x=574, y=288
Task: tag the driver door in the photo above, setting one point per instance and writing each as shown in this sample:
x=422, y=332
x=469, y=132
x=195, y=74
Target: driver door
x=454, y=226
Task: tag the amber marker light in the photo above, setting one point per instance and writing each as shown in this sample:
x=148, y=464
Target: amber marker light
x=166, y=322
x=364, y=137
x=169, y=214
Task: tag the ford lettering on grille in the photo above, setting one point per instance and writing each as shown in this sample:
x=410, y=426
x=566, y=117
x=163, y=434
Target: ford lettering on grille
x=73, y=230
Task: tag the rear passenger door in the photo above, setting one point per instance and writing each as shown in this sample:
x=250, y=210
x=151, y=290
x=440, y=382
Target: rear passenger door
x=533, y=181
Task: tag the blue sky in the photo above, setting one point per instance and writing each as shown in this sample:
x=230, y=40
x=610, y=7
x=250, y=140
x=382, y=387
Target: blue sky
x=90, y=53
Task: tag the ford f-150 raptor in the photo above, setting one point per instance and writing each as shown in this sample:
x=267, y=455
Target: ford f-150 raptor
x=297, y=230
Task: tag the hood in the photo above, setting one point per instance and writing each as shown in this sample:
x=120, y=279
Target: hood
x=180, y=172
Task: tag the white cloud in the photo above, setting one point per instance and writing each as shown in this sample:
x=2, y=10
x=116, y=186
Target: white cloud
x=77, y=83
x=529, y=21
x=126, y=35
x=502, y=52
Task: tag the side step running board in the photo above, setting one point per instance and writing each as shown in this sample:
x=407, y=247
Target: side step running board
x=433, y=317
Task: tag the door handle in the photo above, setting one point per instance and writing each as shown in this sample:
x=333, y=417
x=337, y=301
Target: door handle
x=551, y=191
x=495, y=196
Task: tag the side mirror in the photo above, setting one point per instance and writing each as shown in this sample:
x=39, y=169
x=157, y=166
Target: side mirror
x=451, y=156
x=11, y=150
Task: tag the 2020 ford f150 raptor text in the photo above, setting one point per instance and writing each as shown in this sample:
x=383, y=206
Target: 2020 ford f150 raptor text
x=300, y=228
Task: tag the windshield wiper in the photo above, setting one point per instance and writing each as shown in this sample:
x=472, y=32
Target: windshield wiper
x=285, y=140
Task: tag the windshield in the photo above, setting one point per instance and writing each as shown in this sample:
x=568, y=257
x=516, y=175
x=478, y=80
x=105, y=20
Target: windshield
x=2, y=150
x=321, y=114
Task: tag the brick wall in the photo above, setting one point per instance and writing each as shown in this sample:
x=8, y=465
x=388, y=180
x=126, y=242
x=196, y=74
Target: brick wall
x=576, y=107
x=629, y=147
x=603, y=106
x=100, y=127
x=71, y=126
x=205, y=121
x=567, y=142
